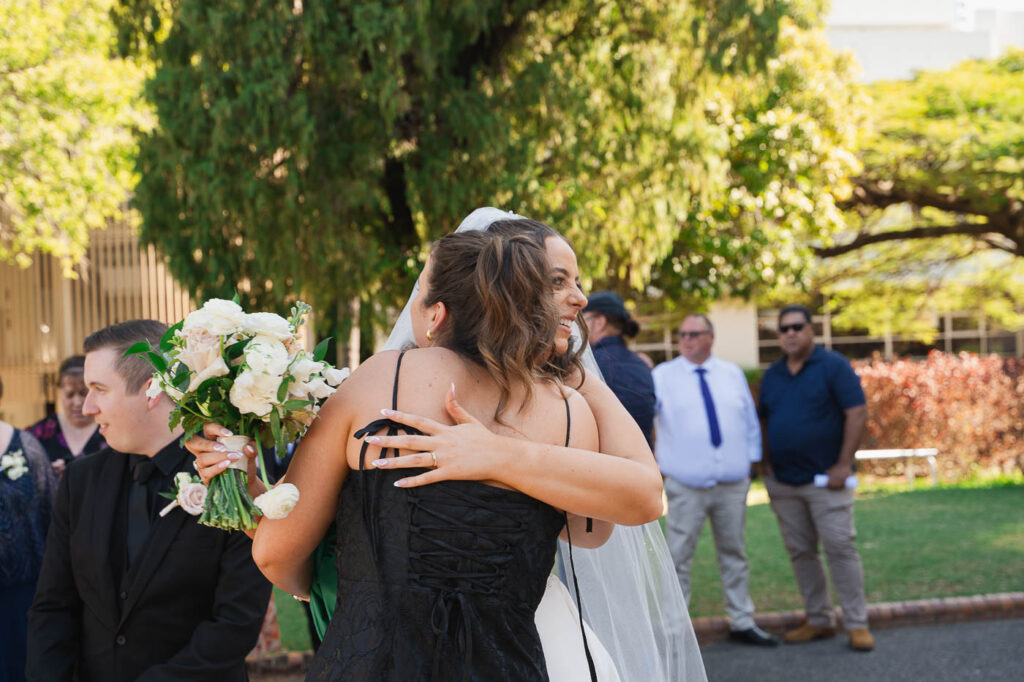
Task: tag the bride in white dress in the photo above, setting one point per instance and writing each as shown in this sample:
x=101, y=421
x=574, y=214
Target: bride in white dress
x=637, y=624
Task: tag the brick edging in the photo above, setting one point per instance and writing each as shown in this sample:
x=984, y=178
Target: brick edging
x=886, y=614
x=880, y=616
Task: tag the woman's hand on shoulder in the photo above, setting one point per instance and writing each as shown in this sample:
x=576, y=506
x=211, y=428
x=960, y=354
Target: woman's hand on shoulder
x=463, y=452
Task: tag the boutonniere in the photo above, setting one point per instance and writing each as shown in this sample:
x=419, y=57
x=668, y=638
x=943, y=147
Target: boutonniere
x=14, y=465
x=189, y=493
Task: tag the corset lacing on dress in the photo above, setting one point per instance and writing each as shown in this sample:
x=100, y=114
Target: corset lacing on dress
x=480, y=567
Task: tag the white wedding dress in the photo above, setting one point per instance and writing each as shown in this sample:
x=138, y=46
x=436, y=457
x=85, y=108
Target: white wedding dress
x=559, y=627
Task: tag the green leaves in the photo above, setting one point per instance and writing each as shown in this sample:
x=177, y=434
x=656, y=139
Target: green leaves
x=320, y=168
x=321, y=349
x=69, y=112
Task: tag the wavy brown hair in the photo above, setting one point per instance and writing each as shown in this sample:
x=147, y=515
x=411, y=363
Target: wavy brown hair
x=558, y=367
x=498, y=294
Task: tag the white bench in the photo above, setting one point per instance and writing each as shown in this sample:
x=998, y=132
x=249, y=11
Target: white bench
x=911, y=453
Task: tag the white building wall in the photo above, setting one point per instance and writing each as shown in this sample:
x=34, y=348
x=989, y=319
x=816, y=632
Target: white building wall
x=940, y=13
x=896, y=53
x=735, y=324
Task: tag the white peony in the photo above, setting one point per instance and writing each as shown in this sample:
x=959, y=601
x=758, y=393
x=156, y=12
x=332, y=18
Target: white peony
x=255, y=392
x=334, y=377
x=268, y=324
x=266, y=354
x=279, y=501
x=217, y=316
x=316, y=387
x=304, y=366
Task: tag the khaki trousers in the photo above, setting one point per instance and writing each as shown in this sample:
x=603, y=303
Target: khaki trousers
x=726, y=505
x=807, y=516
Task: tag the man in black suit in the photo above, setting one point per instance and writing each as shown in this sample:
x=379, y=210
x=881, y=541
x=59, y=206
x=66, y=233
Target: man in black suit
x=125, y=594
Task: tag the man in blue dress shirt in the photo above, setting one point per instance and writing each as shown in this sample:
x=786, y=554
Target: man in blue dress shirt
x=813, y=413
x=708, y=438
x=624, y=371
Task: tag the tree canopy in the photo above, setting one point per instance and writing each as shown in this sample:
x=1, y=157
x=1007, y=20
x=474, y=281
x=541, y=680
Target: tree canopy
x=936, y=217
x=68, y=112
x=311, y=150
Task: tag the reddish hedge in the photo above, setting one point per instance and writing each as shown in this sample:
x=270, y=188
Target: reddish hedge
x=967, y=406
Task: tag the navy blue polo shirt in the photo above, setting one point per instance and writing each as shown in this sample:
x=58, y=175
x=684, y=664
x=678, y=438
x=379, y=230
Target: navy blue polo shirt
x=805, y=413
x=630, y=380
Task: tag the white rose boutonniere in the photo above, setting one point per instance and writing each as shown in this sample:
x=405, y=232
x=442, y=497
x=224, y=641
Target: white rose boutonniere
x=14, y=465
x=189, y=494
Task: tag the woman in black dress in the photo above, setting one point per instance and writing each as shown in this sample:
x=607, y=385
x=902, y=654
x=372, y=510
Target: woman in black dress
x=441, y=582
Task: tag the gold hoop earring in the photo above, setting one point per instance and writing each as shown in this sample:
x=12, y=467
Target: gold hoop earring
x=430, y=337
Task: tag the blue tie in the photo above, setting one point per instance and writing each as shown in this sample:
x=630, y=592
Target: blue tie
x=709, y=407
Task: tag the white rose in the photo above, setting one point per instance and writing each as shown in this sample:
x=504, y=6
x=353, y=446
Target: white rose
x=334, y=377
x=14, y=473
x=266, y=354
x=279, y=501
x=192, y=497
x=268, y=324
x=8, y=461
x=217, y=316
x=255, y=392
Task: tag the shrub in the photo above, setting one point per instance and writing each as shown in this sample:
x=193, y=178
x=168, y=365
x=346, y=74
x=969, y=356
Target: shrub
x=967, y=406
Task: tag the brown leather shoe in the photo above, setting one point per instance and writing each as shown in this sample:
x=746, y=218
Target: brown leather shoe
x=808, y=632
x=861, y=640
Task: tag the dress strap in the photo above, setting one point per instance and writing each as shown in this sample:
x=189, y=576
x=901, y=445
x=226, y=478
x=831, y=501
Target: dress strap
x=572, y=565
x=394, y=391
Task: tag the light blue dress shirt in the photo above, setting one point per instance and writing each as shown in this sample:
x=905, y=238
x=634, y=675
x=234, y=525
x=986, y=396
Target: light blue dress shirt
x=683, y=441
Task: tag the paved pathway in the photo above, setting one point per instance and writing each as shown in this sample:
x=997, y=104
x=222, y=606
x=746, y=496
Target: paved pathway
x=989, y=651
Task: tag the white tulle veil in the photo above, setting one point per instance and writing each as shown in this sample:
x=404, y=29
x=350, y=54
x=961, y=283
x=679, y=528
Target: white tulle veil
x=631, y=596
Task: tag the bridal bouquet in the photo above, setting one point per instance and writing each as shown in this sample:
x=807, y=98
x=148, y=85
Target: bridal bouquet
x=249, y=373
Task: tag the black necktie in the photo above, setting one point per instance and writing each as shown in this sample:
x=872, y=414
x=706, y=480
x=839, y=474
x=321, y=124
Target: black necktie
x=138, y=508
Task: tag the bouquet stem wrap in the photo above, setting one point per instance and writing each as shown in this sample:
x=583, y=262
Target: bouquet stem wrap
x=228, y=503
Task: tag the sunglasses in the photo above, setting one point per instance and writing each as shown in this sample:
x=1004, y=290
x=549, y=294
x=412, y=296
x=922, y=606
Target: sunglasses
x=796, y=327
x=690, y=335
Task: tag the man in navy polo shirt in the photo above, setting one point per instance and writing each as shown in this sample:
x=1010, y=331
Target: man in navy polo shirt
x=813, y=413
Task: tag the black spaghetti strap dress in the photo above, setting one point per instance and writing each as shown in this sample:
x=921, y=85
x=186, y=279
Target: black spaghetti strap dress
x=436, y=583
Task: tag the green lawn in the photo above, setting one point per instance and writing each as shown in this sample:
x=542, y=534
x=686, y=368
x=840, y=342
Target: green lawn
x=928, y=542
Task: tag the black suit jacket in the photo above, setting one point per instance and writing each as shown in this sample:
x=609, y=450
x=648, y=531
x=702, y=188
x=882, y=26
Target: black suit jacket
x=192, y=606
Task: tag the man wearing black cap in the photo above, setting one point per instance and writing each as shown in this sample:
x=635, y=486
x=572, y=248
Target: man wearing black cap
x=624, y=371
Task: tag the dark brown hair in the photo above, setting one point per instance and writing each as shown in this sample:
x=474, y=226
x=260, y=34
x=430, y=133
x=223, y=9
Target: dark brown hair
x=502, y=312
x=557, y=366
x=134, y=369
x=72, y=365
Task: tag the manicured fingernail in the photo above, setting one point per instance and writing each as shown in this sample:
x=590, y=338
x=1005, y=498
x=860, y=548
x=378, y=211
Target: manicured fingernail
x=379, y=463
x=225, y=432
x=372, y=439
x=220, y=447
x=224, y=464
x=388, y=413
x=234, y=456
x=400, y=483
x=453, y=389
